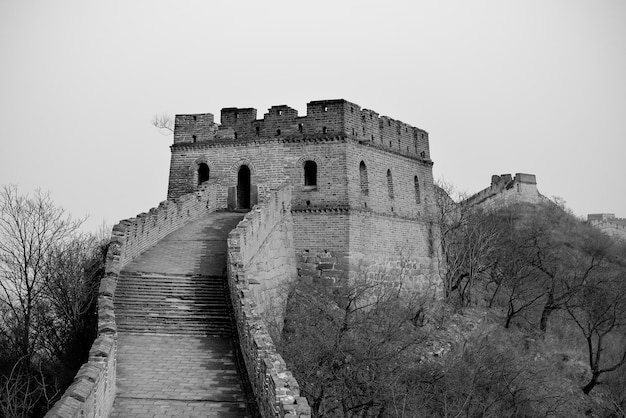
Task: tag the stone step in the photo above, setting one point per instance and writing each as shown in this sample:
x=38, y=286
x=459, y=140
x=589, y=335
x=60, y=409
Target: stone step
x=171, y=297
x=175, y=330
x=172, y=302
x=222, y=321
x=224, y=333
x=167, y=290
x=147, y=283
x=174, y=315
x=182, y=322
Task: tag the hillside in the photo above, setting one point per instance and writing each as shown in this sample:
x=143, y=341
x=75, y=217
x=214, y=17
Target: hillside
x=530, y=322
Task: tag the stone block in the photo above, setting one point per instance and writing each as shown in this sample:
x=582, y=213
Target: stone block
x=101, y=348
x=90, y=371
x=66, y=407
x=325, y=266
x=81, y=389
x=107, y=326
x=108, y=284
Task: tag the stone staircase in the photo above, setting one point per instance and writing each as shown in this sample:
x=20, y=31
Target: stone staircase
x=173, y=304
x=176, y=353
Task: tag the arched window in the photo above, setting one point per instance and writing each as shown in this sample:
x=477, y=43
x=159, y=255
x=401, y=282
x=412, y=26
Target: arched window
x=363, y=179
x=203, y=173
x=310, y=173
x=390, y=184
x=418, y=199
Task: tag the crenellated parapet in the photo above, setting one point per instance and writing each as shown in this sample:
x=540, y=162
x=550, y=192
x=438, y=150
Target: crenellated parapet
x=609, y=224
x=324, y=118
x=506, y=189
x=261, y=267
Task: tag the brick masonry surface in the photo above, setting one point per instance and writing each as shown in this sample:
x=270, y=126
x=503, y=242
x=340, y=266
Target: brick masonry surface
x=170, y=376
x=178, y=375
x=372, y=174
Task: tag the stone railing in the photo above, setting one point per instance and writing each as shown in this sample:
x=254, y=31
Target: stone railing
x=93, y=391
x=276, y=391
x=147, y=229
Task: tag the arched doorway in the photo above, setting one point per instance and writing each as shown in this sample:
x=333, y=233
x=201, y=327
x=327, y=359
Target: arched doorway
x=203, y=173
x=243, y=187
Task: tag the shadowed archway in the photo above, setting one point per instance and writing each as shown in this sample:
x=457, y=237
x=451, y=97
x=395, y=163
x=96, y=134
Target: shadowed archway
x=243, y=187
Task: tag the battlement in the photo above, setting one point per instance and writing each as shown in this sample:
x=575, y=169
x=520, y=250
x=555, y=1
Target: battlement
x=504, y=187
x=601, y=217
x=324, y=118
x=609, y=224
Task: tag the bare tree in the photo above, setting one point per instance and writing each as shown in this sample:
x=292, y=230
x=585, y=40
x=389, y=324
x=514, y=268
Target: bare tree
x=467, y=236
x=349, y=346
x=48, y=282
x=73, y=272
x=513, y=281
x=566, y=253
x=164, y=122
x=599, y=311
x=30, y=228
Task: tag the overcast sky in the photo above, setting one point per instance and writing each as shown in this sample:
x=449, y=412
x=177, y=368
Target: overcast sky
x=533, y=86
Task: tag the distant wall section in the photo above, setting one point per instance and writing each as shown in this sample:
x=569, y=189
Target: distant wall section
x=506, y=189
x=609, y=224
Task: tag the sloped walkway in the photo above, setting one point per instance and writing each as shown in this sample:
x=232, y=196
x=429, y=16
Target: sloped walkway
x=175, y=350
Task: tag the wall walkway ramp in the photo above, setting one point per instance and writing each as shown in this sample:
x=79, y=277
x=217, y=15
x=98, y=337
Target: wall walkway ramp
x=176, y=349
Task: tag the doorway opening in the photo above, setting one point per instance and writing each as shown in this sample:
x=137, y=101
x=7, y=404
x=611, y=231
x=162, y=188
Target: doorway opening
x=243, y=187
x=203, y=173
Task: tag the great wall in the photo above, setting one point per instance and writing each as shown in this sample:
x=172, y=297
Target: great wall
x=339, y=192
x=609, y=224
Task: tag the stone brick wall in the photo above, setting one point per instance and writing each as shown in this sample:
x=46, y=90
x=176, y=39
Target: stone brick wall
x=325, y=120
x=506, y=189
x=322, y=240
x=395, y=249
x=615, y=227
x=411, y=181
x=338, y=136
x=147, y=229
x=332, y=245
x=93, y=391
x=265, y=258
x=261, y=265
x=374, y=231
x=271, y=162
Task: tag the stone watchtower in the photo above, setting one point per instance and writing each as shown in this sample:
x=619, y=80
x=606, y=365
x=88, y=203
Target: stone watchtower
x=362, y=183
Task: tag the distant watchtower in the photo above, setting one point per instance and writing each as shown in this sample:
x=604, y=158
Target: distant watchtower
x=362, y=183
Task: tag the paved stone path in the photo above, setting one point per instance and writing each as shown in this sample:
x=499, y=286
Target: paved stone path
x=162, y=372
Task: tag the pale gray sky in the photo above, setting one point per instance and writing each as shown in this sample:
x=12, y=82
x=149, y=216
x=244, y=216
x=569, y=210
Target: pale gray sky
x=535, y=86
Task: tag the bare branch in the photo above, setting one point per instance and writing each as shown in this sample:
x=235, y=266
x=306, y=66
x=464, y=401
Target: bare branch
x=165, y=123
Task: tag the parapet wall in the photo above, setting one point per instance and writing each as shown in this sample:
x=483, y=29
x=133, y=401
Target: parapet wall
x=93, y=391
x=261, y=264
x=323, y=118
x=506, y=189
x=615, y=227
x=147, y=229
x=334, y=245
